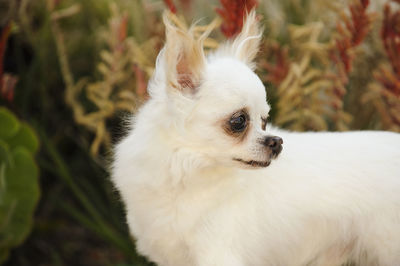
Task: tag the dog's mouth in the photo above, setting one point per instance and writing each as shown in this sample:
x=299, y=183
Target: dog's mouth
x=253, y=163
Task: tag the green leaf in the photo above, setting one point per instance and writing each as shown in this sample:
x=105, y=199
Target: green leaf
x=24, y=137
x=9, y=123
x=4, y=152
x=3, y=255
x=18, y=200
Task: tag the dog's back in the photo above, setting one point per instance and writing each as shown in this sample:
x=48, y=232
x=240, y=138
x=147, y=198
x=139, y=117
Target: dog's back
x=337, y=194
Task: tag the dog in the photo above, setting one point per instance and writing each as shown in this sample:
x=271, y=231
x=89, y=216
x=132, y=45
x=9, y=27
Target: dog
x=207, y=181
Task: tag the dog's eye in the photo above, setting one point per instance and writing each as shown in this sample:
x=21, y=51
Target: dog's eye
x=263, y=123
x=238, y=123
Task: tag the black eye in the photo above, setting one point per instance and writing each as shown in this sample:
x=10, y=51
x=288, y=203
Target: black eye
x=238, y=123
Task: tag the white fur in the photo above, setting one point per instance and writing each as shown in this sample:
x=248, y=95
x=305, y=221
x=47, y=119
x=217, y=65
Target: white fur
x=327, y=199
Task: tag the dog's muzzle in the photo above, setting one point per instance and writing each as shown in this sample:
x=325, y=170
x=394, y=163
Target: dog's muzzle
x=274, y=143
x=274, y=146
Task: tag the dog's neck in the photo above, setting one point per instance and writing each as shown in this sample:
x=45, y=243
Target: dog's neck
x=184, y=167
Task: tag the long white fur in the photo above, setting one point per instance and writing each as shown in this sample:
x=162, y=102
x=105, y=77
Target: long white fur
x=329, y=198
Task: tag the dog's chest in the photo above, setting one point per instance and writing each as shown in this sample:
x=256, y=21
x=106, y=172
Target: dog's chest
x=173, y=220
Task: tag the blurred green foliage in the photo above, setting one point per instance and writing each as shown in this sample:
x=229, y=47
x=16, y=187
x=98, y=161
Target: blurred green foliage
x=19, y=186
x=79, y=220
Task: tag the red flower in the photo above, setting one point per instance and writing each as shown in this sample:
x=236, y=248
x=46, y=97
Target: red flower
x=279, y=68
x=232, y=13
x=141, y=83
x=353, y=32
x=390, y=78
x=390, y=34
x=6, y=88
x=171, y=6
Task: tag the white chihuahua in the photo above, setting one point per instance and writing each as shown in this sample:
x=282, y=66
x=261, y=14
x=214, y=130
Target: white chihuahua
x=196, y=176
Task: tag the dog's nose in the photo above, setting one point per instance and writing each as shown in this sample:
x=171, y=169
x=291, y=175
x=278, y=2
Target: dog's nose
x=274, y=143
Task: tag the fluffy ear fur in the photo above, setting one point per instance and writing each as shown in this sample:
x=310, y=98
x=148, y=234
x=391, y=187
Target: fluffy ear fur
x=246, y=44
x=184, y=58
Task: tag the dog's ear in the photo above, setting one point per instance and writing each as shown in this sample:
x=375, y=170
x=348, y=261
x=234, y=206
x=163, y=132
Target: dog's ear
x=246, y=44
x=184, y=58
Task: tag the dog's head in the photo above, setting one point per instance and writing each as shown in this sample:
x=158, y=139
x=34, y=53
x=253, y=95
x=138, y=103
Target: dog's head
x=216, y=105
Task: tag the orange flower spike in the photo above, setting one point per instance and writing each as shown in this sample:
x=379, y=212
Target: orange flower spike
x=390, y=78
x=354, y=31
x=7, y=87
x=141, y=83
x=232, y=14
x=122, y=31
x=361, y=21
x=390, y=35
x=171, y=6
x=278, y=70
x=3, y=43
